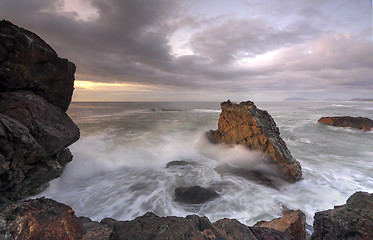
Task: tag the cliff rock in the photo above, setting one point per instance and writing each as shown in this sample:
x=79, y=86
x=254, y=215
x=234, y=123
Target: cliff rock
x=365, y=124
x=40, y=219
x=247, y=125
x=35, y=91
x=354, y=220
x=29, y=63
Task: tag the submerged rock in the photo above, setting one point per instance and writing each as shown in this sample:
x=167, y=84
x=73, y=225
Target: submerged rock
x=40, y=219
x=362, y=123
x=194, y=194
x=35, y=90
x=247, y=125
x=179, y=163
x=354, y=220
x=247, y=174
x=292, y=223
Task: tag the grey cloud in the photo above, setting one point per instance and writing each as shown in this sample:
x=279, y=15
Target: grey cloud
x=129, y=42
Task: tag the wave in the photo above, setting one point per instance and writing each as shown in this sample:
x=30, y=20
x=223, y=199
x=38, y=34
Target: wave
x=120, y=170
x=206, y=110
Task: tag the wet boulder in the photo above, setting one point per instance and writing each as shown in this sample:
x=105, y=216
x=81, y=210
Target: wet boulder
x=362, y=123
x=179, y=163
x=194, y=194
x=246, y=125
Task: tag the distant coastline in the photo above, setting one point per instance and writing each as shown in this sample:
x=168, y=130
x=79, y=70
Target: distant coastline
x=362, y=99
x=330, y=99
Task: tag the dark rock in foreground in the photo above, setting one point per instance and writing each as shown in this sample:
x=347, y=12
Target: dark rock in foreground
x=247, y=125
x=365, y=124
x=40, y=219
x=293, y=224
x=35, y=90
x=191, y=227
x=96, y=230
x=194, y=194
x=354, y=220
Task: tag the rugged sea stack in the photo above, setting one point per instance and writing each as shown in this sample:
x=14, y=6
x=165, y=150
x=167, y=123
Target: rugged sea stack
x=249, y=126
x=36, y=87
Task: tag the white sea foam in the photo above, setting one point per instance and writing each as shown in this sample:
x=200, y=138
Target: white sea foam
x=206, y=110
x=119, y=170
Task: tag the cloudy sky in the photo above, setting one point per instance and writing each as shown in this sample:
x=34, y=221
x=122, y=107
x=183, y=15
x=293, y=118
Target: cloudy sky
x=207, y=50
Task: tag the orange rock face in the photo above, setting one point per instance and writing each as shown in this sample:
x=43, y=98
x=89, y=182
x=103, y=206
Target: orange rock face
x=293, y=224
x=247, y=125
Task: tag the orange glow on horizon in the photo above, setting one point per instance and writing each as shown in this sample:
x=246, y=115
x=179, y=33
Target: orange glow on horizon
x=99, y=85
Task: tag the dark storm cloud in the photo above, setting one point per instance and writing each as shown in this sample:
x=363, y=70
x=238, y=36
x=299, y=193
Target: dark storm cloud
x=130, y=42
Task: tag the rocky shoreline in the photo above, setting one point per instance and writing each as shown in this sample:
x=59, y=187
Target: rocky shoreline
x=35, y=91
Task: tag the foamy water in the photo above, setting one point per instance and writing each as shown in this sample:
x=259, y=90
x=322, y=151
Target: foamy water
x=119, y=169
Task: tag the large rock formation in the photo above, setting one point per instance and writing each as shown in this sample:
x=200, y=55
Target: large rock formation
x=35, y=90
x=293, y=224
x=354, y=220
x=247, y=125
x=40, y=219
x=365, y=124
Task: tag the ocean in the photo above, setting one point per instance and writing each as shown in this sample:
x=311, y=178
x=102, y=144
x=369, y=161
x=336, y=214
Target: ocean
x=119, y=165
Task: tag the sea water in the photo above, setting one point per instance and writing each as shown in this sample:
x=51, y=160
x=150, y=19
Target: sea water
x=119, y=165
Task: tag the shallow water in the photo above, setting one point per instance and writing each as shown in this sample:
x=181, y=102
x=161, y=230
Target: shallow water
x=119, y=162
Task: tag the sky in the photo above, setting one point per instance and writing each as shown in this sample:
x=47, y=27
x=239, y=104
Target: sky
x=207, y=50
